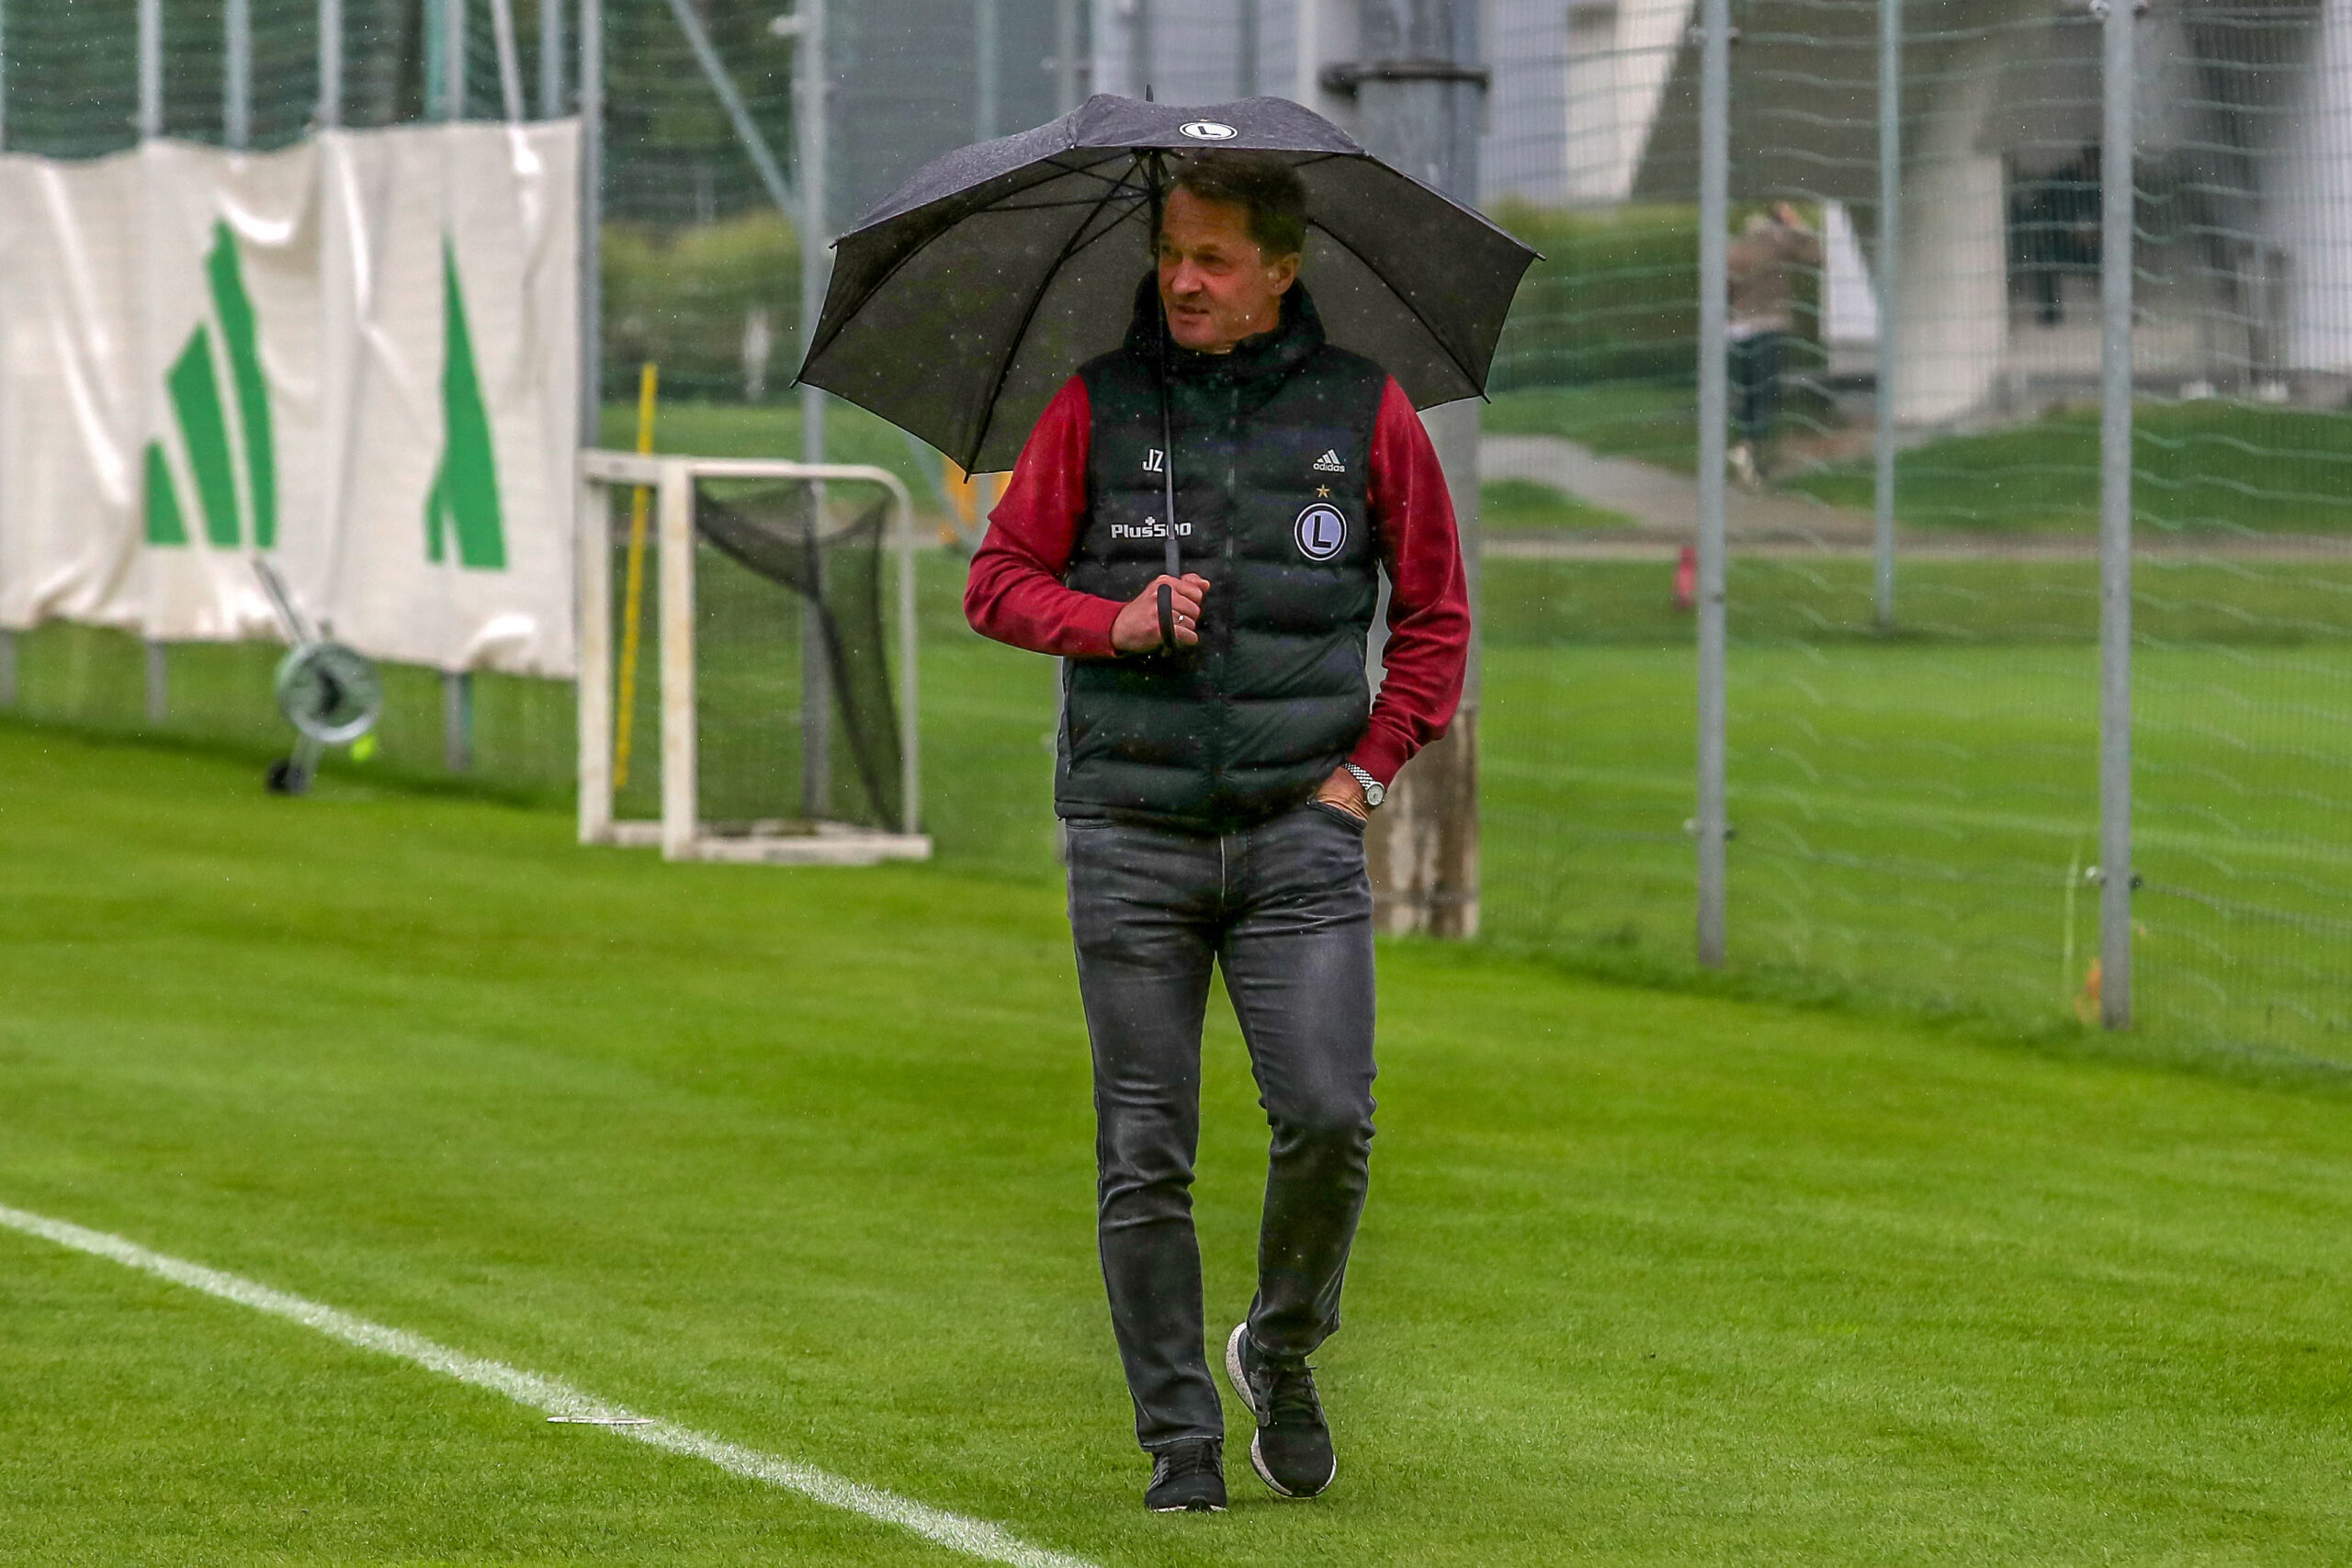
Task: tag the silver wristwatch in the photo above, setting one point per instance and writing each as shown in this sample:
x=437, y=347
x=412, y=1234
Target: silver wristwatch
x=1374, y=792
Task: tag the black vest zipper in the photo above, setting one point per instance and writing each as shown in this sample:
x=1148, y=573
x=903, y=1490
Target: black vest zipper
x=1217, y=735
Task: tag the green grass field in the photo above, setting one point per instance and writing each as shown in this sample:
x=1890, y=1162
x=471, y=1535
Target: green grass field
x=2199, y=469
x=1915, y=813
x=1515, y=504
x=801, y=1159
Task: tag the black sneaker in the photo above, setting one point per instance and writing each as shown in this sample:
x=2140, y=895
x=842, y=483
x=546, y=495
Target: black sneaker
x=1188, y=1478
x=1292, y=1449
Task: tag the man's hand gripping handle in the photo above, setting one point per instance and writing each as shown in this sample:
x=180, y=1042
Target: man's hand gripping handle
x=1164, y=618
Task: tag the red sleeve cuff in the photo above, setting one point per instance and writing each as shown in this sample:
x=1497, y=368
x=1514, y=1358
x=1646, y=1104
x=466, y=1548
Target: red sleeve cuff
x=1088, y=628
x=1382, y=756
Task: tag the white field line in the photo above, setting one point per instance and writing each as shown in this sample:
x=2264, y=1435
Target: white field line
x=974, y=1538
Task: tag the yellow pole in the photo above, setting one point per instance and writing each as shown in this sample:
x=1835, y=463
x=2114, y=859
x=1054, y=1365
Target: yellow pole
x=970, y=498
x=633, y=592
x=961, y=495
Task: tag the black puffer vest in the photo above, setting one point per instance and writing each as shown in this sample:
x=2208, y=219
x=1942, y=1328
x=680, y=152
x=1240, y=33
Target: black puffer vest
x=1271, y=444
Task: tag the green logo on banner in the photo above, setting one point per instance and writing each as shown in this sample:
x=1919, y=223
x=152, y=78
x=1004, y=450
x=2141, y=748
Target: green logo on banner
x=464, y=498
x=202, y=416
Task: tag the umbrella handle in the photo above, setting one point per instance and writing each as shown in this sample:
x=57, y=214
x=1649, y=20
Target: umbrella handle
x=1166, y=618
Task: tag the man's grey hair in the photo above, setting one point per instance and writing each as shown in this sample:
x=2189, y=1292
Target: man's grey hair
x=1268, y=189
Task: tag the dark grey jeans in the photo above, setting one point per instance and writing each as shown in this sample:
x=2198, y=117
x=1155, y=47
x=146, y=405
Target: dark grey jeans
x=1286, y=909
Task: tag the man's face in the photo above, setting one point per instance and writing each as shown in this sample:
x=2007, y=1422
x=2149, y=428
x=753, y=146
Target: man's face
x=1218, y=286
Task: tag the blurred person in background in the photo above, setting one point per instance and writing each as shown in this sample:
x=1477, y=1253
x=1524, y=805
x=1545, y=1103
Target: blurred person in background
x=1762, y=266
x=1216, y=766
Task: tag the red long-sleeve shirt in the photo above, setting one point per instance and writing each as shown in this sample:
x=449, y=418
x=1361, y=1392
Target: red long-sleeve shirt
x=1015, y=593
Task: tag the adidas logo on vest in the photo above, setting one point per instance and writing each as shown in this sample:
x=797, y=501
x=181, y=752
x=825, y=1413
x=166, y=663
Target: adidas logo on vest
x=1329, y=463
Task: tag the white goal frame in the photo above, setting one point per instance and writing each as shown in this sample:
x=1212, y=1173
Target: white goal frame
x=680, y=833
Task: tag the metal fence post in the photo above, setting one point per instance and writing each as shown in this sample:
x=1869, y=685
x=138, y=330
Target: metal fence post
x=458, y=720
x=151, y=69
x=456, y=686
x=150, y=124
x=329, y=63
x=237, y=75
x=550, y=59
x=1714, y=224
x=510, y=60
x=1308, y=42
x=816, y=688
x=1139, y=61
x=986, y=28
x=1890, y=272
x=8, y=637
x=453, y=60
x=591, y=219
x=1065, y=56
x=2116, y=220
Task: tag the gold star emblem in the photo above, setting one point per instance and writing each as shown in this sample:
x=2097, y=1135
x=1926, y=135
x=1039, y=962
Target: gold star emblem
x=1324, y=491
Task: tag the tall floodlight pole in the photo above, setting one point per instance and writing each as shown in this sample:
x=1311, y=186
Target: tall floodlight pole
x=237, y=75
x=2116, y=219
x=1890, y=273
x=1246, y=34
x=1714, y=224
x=816, y=690
x=329, y=63
x=1420, y=99
x=987, y=31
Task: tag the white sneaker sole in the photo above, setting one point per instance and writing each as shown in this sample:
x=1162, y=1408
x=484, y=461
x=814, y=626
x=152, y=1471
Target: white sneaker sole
x=1241, y=1382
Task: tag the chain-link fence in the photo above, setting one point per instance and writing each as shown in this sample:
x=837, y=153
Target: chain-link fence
x=1912, y=682
x=1911, y=361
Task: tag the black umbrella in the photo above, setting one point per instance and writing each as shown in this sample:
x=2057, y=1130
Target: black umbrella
x=961, y=303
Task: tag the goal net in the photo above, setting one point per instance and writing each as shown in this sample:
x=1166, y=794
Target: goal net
x=747, y=681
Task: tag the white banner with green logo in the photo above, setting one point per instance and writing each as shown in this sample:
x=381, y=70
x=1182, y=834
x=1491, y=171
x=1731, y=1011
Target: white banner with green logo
x=357, y=356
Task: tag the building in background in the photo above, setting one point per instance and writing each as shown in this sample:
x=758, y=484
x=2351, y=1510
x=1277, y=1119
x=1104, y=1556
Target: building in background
x=2243, y=160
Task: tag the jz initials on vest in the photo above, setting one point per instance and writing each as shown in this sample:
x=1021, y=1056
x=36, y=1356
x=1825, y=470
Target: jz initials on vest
x=1149, y=528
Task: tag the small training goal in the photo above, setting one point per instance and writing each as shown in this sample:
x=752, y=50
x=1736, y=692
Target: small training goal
x=747, y=660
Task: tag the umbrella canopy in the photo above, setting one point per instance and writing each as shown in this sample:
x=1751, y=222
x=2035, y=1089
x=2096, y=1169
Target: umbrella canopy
x=961, y=303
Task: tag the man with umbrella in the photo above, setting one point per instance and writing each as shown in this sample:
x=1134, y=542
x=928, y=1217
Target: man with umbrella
x=1219, y=755
x=1199, y=524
